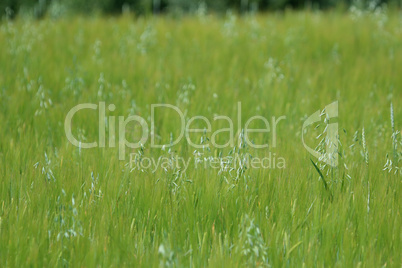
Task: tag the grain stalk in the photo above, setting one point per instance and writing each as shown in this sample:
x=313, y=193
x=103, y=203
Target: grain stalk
x=365, y=150
x=394, y=134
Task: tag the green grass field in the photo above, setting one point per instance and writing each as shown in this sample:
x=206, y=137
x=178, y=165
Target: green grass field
x=62, y=205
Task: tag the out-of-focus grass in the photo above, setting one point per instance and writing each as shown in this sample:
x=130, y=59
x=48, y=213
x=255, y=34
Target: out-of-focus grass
x=62, y=206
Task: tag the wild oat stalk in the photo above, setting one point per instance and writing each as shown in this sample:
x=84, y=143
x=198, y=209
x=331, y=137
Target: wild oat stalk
x=365, y=151
x=394, y=140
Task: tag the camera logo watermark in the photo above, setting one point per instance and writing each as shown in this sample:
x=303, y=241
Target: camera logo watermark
x=330, y=156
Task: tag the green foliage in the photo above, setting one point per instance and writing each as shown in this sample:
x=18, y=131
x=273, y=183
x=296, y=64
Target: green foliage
x=62, y=205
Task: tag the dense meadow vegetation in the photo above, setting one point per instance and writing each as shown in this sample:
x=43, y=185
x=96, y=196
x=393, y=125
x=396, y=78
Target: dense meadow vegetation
x=63, y=205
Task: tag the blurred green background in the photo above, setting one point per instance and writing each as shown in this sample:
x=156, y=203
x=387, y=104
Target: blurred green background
x=55, y=8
